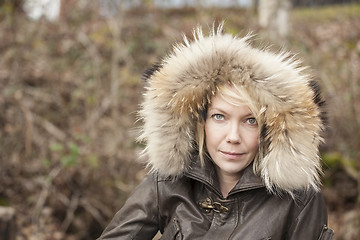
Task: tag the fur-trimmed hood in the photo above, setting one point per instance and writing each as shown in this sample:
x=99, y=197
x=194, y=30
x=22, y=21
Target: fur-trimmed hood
x=180, y=87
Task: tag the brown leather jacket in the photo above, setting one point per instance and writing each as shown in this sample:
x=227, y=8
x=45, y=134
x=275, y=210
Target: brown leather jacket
x=192, y=207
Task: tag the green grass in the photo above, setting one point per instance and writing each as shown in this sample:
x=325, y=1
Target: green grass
x=327, y=13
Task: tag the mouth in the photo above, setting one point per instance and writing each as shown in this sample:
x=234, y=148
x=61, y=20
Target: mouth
x=231, y=155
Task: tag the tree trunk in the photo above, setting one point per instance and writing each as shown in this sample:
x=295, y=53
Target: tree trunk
x=7, y=223
x=274, y=17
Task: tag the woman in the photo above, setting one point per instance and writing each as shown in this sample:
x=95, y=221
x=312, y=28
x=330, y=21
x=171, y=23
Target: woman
x=232, y=137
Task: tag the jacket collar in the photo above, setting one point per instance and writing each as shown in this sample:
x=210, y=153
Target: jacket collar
x=207, y=175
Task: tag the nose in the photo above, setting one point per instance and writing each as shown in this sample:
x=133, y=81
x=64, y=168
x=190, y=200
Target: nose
x=233, y=133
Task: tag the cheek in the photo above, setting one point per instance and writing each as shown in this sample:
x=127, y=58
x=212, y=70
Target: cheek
x=207, y=133
x=253, y=142
x=210, y=136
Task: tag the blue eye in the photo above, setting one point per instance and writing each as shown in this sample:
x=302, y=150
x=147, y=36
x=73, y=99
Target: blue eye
x=252, y=121
x=218, y=116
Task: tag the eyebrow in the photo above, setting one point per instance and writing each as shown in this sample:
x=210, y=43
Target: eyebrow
x=216, y=109
x=250, y=114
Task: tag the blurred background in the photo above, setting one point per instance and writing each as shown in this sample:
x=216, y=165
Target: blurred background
x=70, y=85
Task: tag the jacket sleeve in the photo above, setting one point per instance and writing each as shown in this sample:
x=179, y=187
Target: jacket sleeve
x=138, y=218
x=311, y=223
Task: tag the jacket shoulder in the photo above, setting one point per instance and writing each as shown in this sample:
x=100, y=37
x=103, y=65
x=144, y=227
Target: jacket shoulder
x=305, y=196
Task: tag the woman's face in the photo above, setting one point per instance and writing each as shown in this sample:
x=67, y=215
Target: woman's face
x=231, y=136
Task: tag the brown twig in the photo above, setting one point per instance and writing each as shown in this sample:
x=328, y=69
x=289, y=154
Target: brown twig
x=28, y=127
x=47, y=184
x=70, y=212
x=93, y=211
x=50, y=128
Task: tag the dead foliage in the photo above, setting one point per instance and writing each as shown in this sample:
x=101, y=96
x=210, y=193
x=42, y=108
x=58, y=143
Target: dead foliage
x=70, y=89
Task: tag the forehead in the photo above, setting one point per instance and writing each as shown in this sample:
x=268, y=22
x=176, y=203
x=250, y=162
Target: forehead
x=228, y=104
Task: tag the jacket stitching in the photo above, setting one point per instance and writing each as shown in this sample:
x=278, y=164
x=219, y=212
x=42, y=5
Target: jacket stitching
x=303, y=208
x=153, y=217
x=140, y=228
x=157, y=200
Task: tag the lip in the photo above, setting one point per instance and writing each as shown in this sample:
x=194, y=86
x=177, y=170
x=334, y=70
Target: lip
x=231, y=155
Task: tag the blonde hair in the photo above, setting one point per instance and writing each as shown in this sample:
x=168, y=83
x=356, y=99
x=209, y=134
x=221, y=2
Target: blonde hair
x=233, y=94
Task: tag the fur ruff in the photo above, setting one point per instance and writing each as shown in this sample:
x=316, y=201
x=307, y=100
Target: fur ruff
x=180, y=87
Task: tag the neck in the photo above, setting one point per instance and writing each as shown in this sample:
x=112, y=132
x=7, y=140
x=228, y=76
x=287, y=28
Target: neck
x=227, y=182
